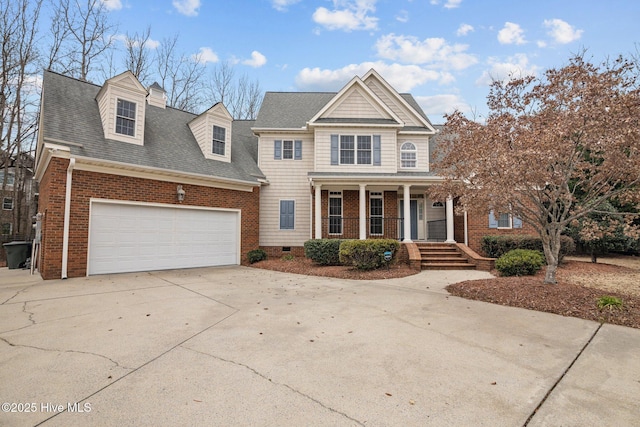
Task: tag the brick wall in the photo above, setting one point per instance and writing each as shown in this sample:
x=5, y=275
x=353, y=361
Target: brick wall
x=478, y=226
x=87, y=185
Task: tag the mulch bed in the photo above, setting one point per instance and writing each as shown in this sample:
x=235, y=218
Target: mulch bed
x=564, y=298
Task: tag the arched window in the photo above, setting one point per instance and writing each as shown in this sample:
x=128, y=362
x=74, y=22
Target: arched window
x=408, y=155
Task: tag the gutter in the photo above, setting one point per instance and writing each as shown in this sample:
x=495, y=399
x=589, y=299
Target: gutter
x=67, y=214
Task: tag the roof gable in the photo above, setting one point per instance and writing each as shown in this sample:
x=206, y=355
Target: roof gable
x=356, y=101
x=409, y=114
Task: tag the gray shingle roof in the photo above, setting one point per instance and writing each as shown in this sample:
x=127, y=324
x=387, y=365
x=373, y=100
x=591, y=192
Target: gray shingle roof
x=70, y=113
x=293, y=110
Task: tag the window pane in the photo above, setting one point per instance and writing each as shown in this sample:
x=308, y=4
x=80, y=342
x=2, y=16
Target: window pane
x=7, y=203
x=219, y=139
x=375, y=208
x=125, y=117
x=287, y=149
x=364, y=150
x=504, y=221
x=335, y=215
x=347, y=148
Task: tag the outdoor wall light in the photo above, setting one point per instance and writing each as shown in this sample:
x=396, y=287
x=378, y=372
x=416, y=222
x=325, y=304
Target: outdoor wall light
x=180, y=193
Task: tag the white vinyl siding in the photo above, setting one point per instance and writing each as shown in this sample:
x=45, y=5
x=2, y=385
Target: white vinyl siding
x=356, y=105
x=209, y=129
x=399, y=110
x=122, y=88
x=421, y=144
x=287, y=181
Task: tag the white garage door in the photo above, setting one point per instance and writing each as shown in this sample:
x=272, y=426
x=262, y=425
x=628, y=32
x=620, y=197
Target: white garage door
x=126, y=238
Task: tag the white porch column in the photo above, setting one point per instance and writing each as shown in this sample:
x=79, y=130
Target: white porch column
x=363, y=212
x=318, y=211
x=449, y=212
x=407, y=213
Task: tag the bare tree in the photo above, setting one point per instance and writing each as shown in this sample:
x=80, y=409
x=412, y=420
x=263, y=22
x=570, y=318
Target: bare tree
x=81, y=35
x=137, y=58
x=180, y=75
x=18, y=99
x=553, y=149
x=241, y=96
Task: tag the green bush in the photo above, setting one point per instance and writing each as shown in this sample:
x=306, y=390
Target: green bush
x=256, y=255
x=520, y=262
x=367, y=254
x=496, y=246
x=323, y=251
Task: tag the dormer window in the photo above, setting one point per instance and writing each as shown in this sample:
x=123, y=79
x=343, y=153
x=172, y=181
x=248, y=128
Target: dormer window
x=219, y=140
x=126, y=117
x=408, y=155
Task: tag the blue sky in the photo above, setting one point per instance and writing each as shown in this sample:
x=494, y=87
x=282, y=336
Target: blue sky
x=444, y=52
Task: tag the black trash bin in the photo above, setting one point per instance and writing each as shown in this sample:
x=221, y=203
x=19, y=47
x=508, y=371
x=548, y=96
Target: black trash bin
x=17, y=253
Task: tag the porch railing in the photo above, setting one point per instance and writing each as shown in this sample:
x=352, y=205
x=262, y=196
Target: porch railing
x=437, y=230
x=349, y=228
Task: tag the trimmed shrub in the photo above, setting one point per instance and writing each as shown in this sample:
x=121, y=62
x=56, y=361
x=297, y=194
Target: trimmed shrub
x=323, y=251
x=496, y=246
x=256, y=255
x=367, y=254
x=520, y=262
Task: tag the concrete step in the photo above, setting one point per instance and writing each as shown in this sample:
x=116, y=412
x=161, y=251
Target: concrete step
x=447, y=266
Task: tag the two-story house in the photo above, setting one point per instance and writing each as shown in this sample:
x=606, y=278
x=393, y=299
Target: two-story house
x=351, y=164
x=129, y=184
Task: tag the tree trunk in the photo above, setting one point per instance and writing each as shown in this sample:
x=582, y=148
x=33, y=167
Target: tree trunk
x=550, y=275
x=594, y=257
x=551, y=247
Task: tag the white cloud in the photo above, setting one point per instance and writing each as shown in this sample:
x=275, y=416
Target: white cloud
x=464, y=29
x=511, y=34
x=402, y=16
x=434, y=51
x=561, y=31
x=152, y=44
x=257, y=60
x=347, y=15
x=112, y=4
x=205, y=55
x=187, y=7
x=402, y=77
x=515, y=67
x=449, y=4
x=282, y=5
x=442, y=104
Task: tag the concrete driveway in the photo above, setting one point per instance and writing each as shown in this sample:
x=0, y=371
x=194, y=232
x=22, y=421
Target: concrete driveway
x=242, y=346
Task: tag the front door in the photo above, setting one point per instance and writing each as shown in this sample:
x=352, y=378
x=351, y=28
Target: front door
x=413, y=211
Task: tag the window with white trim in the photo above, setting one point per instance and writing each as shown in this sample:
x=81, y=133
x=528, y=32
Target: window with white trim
x=7, y=203
x=287, y=149
x=335, y=212
x=376, y=213
x=125, y=117
x=408, y=155
x=287, y=214
x=355, y=149
x=219, y=140
x=504, y=220
x=437, y=205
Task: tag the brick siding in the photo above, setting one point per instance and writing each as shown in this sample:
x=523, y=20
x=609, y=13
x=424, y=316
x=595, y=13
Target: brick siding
x=87, y=185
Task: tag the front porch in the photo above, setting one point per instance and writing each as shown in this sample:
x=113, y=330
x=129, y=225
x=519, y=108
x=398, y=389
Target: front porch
x=402, y=212
x=381, y=228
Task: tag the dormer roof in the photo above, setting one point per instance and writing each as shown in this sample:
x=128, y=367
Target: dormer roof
x=71, y=117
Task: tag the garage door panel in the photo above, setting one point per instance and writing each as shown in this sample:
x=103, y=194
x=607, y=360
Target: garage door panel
x=126, y=238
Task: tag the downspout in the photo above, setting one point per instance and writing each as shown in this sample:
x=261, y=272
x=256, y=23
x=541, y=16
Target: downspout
x=67, y=214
